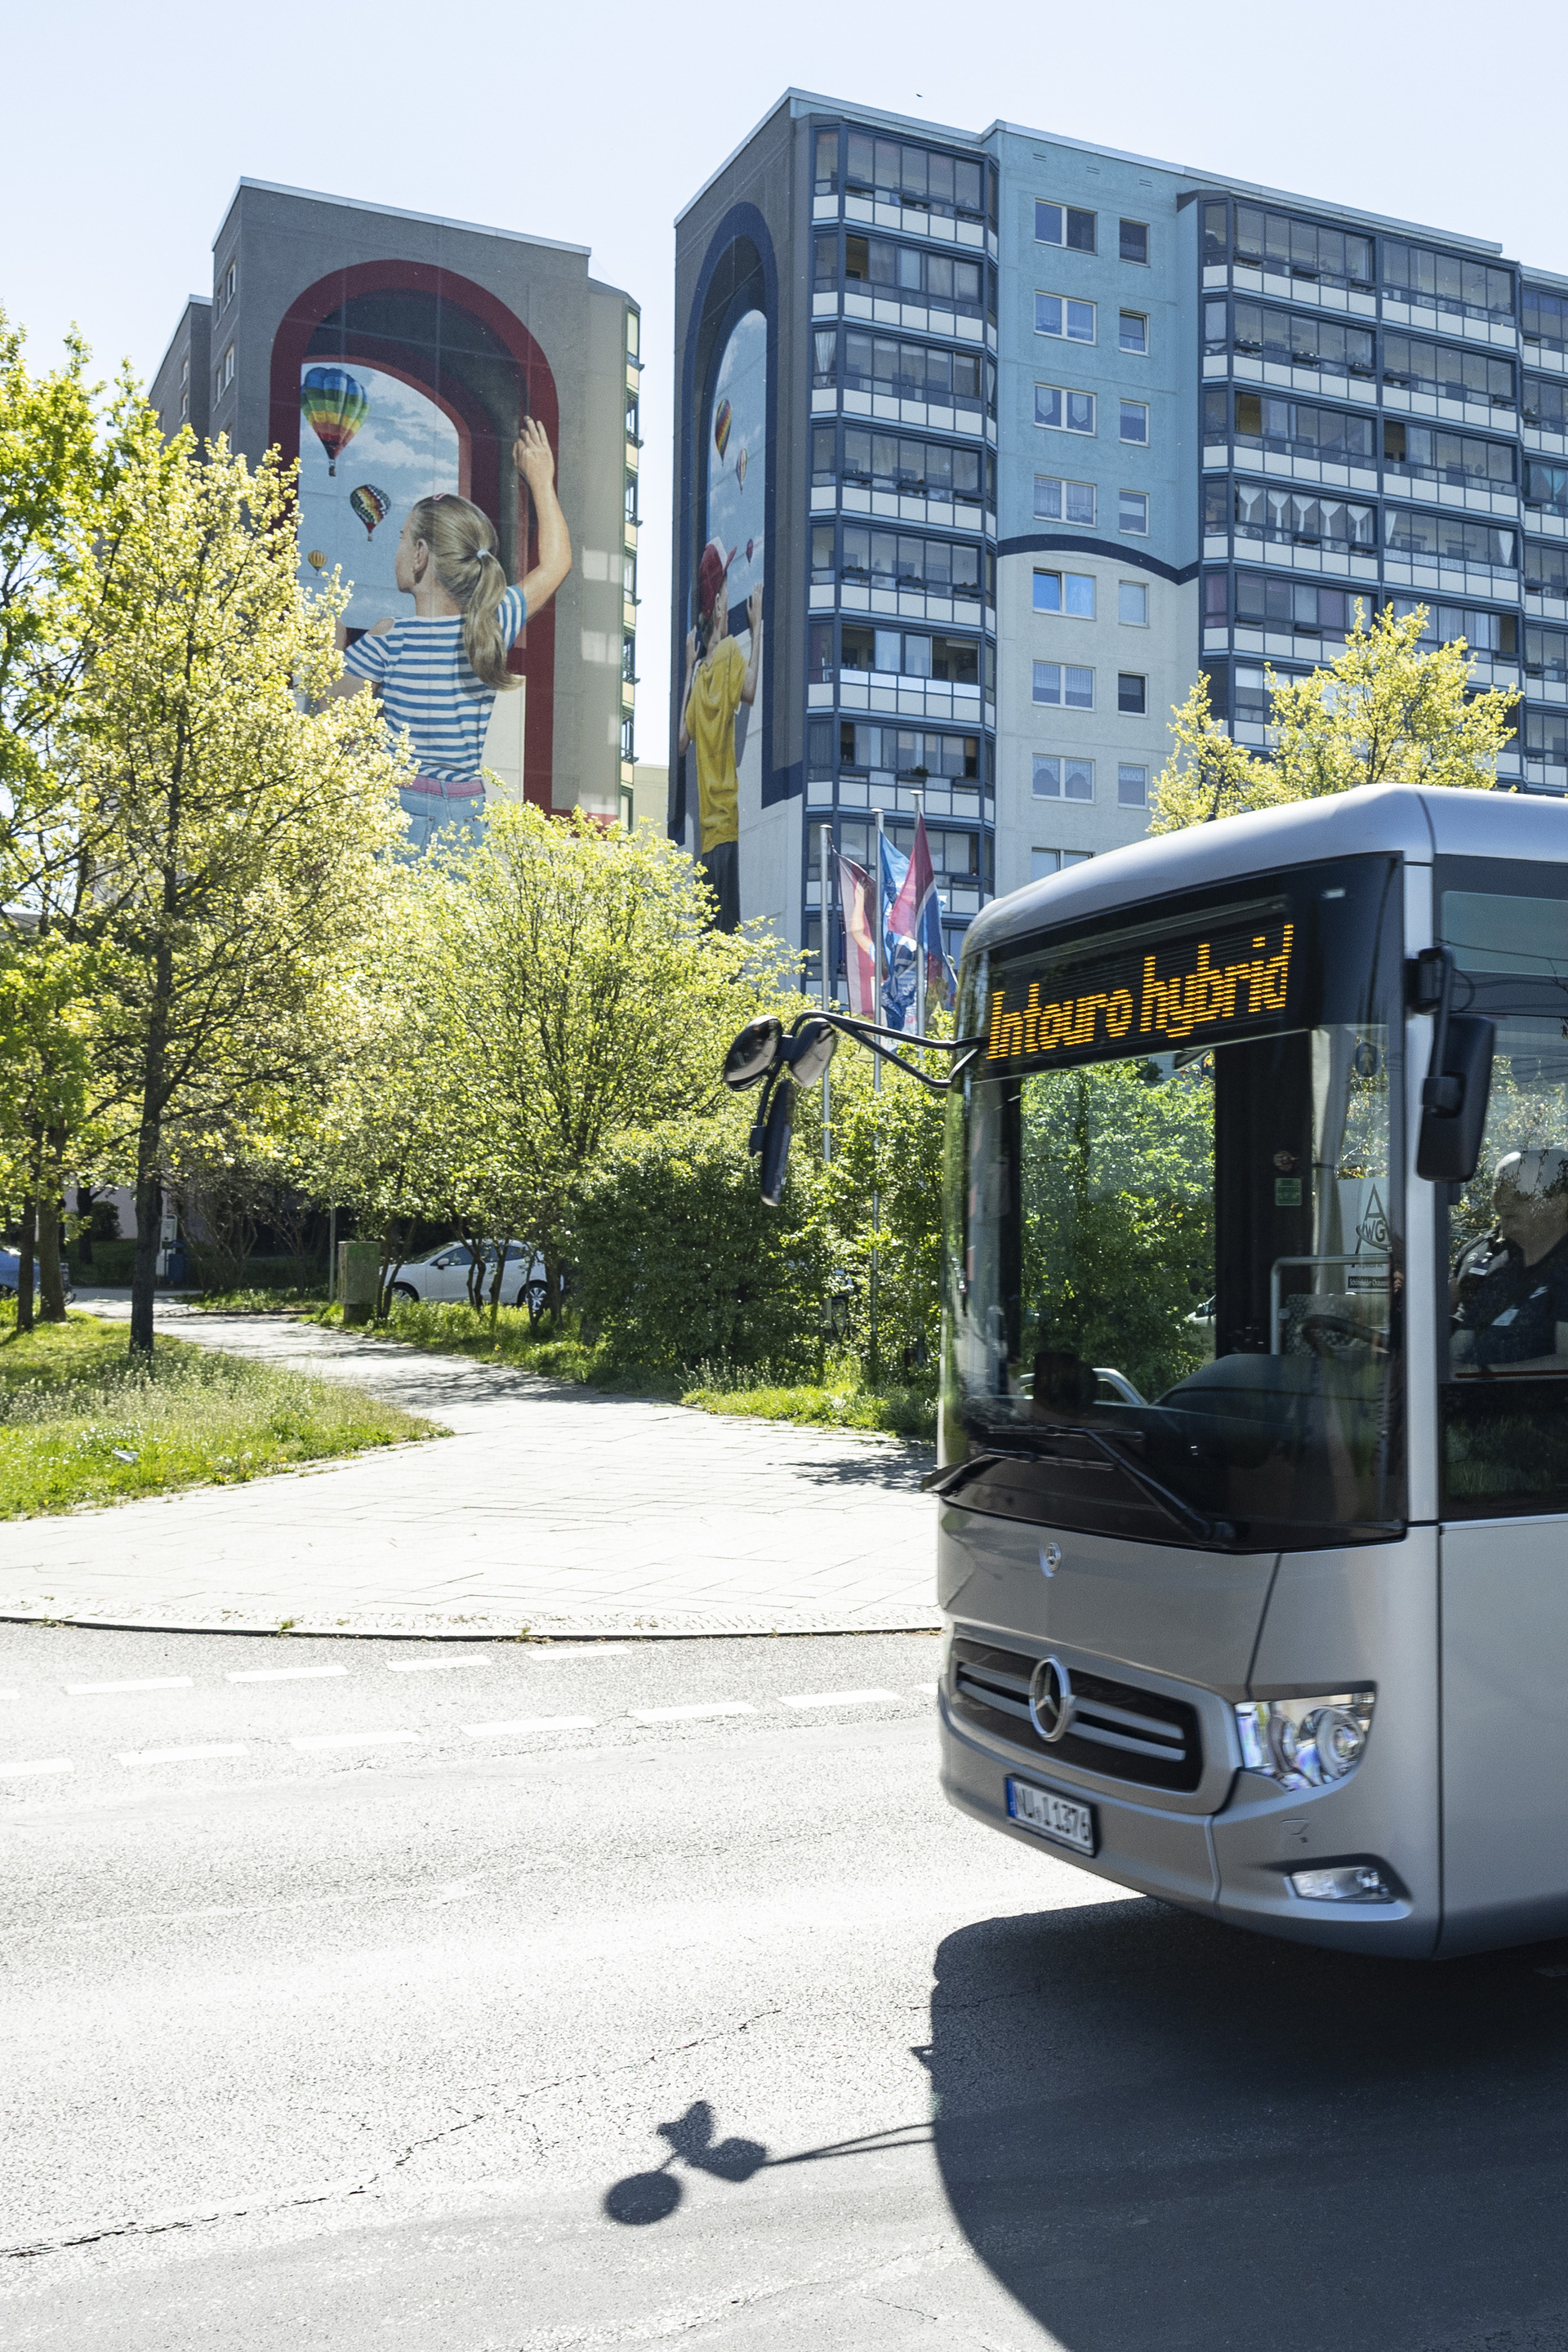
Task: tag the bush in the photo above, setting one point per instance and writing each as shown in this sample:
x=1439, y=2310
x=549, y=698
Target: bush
x=680, y=1263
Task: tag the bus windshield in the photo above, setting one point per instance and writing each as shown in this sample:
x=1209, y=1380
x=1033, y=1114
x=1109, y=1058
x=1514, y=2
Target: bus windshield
x=1174, y=1256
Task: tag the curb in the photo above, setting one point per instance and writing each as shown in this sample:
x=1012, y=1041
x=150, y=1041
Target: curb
x=606, y=1627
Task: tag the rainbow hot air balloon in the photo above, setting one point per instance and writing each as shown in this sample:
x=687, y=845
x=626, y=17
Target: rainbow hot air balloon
x=370, y=505
x=316, y=559
x=723, y=419
x=334, y=407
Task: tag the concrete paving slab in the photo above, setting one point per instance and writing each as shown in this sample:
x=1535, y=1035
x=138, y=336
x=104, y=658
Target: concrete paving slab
x=550, y=1510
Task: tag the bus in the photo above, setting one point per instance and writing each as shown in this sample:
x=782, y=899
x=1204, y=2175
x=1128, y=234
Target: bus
x=1253, y=1472
x=1252, y=1551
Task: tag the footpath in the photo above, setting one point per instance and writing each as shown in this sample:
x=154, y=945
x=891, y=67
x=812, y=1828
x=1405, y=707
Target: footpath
x=551, y=1509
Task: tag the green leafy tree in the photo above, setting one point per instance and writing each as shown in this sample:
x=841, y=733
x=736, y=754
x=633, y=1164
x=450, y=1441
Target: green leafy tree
x=585, y=995
x=239, y=817
x=1382, y=712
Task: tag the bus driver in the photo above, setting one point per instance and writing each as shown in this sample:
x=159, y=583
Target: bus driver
x=1508, y=1294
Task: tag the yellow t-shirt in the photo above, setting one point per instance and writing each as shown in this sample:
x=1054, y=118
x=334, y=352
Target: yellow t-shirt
x=711, y=710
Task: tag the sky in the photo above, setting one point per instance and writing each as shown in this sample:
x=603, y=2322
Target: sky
x=597, y=126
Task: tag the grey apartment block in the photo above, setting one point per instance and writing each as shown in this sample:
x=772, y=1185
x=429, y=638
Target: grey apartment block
x=1209, y=418
x=182, y=389
x=488, y=326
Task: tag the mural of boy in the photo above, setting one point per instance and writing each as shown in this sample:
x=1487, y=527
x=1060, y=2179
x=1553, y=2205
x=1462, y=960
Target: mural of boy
x=719, y=680
x=439, y=669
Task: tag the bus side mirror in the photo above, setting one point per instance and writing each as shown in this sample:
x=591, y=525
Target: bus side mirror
x=773, y=1140
x=1453, y=1099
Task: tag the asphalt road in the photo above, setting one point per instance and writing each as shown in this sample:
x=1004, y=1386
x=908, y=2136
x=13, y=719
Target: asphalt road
x=617, y=1996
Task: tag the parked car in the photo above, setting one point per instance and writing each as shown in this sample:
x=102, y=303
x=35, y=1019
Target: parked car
x=443, y=1274
x=11, y=1274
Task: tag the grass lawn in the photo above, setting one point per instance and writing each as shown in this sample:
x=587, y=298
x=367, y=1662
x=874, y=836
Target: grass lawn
x=841, y=1401
x=80, y=1423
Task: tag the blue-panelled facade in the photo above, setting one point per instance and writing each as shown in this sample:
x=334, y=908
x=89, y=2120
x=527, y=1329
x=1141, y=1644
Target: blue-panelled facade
x=1058, y=428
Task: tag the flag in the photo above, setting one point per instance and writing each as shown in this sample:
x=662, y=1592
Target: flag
x=859, y=950
x=914, y=927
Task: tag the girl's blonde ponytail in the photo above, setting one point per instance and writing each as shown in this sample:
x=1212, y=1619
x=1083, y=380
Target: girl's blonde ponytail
x=462, y=544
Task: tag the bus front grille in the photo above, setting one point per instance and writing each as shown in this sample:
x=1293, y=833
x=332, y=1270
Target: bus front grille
x=1117, y=1729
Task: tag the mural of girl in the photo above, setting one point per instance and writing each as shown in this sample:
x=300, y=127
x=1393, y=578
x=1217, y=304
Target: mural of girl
x=439, y=669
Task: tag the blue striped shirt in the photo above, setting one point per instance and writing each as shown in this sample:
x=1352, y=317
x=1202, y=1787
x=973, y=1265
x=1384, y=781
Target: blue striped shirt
x=428, y=687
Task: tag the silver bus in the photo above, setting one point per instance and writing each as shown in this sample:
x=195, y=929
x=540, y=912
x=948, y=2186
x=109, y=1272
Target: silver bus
x=1253, y=1547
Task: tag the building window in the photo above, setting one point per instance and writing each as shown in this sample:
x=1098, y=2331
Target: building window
x=1064, y=410
x=1425, y=453
x=1216, y=234
x=1291, y=518
x=1132, y=786
x=914, y=176
x=1543, y=318
x=1132, y=603
x=1134, y=331
x=1262, y=598
x=1413, y=273
x=1065, y=686
x=1445, y=538
x=918, y=469
x=1134, y=240
x=1487, y=633
x=1294, y=338
x=827, y=163
x=1065, y=592
x=1045, y=862
x=1054, y=314
x=1294, y=248
x=225, y=370
x=1546, y=404
x=893, y=560
x=629, y=660
x=1057, y=778
x=1131, y=695
x=906, y=371
x=1294, y=428
x=230, y=285
x=1064, y=225
x=1059, y=502
x=825, y=260
x=1216, y=599
x=1135, y=420
x=1416, y=365
x=907, y=751
x=628, y=747
x=632, y=334
x=1133, y=513
x=185, y=385
x=875, y=261
x=1546, y=735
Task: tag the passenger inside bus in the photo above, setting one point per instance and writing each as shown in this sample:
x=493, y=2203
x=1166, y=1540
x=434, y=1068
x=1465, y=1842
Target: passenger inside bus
x=1508, y=1294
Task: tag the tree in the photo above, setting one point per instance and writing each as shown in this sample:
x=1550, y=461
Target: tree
x=1382, y=712
x=65, y=456
x=236, y=816
x=585, y=995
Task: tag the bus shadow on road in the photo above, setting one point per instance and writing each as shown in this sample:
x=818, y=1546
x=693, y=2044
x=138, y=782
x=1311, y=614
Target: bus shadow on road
x=1151, y=2128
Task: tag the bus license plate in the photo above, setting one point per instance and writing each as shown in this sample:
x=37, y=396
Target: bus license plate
x=1061, y=1818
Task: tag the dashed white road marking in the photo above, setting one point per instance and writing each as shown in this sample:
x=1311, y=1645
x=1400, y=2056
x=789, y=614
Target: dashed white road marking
x=284, y=1674
x=690, y=1714
x=530, y=1723
x=839, y=1698
x=183, y=1755
x=154, y=1682
x=50, y=1764
x=312, y=1740
x=423, y=1666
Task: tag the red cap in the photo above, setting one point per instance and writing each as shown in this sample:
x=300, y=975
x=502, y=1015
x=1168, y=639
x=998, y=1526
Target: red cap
x=710, y=574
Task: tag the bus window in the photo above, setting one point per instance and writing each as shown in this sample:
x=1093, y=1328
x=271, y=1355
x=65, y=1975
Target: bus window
x=1504, y=1403
x=1175, y=1314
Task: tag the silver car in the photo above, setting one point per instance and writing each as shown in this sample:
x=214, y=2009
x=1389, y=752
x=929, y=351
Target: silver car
x=443, y=1274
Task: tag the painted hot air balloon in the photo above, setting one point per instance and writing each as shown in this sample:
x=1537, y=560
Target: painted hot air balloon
x=370, y=505
x=740, y=468
x=723, y=419
x=334, y=407
x=316, y=559
x=750, y=544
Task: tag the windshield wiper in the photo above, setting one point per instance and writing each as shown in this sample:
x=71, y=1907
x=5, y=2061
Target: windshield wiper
x=948, y=1480
x=1179, y=1508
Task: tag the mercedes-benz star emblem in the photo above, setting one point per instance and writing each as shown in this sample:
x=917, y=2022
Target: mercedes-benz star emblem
x=1051, y=1701
x=1050, y=1559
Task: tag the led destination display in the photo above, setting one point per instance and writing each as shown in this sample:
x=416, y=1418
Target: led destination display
x=1189, y=992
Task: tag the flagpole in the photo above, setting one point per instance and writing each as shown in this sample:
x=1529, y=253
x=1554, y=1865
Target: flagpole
x=879, y=944
x=824, y=836
x=920, y=800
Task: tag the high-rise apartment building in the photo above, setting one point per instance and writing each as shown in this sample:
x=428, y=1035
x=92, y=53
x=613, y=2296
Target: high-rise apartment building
x=397, y=357
x=1015, y=434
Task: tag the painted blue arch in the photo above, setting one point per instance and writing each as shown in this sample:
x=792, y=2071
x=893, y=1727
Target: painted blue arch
x=742, y=224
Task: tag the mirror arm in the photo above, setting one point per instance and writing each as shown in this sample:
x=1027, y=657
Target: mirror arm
x=868, y=1033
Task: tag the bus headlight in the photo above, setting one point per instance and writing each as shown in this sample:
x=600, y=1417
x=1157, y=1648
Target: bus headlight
x=1306, y=1743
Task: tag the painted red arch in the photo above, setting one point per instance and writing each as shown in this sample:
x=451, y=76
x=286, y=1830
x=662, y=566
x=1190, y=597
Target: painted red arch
x=533, y=658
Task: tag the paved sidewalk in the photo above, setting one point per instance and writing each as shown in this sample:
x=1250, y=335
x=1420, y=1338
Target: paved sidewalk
x=549, y=1508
